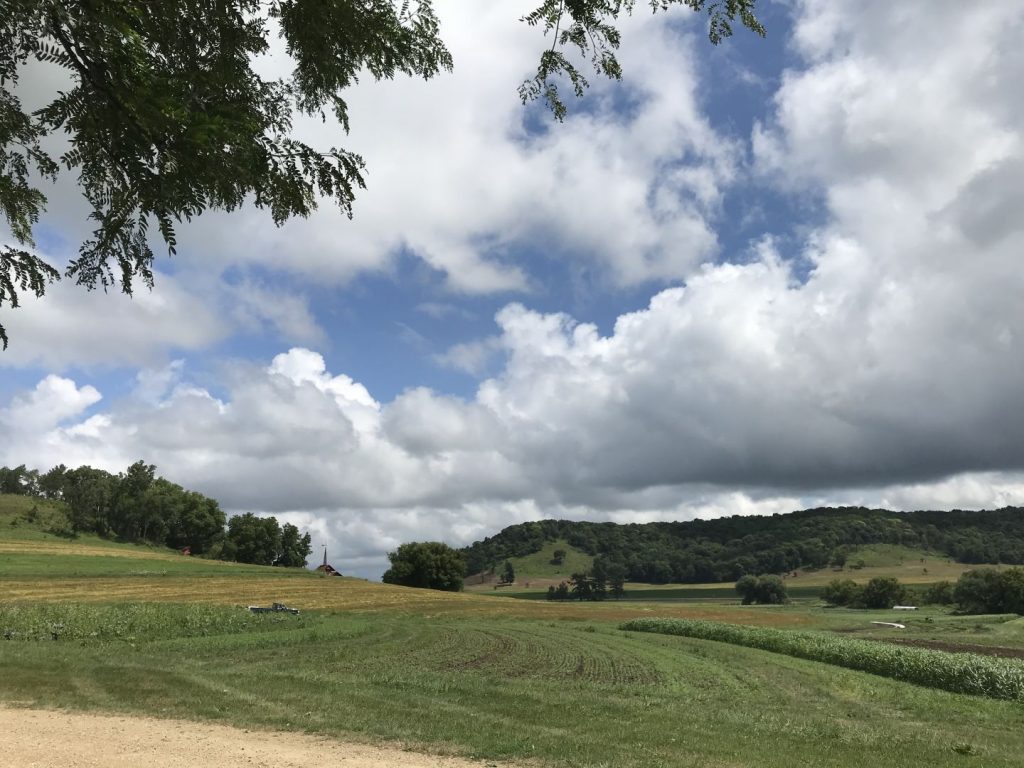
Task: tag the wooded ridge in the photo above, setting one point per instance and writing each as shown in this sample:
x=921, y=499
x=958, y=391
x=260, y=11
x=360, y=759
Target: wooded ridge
x=723, y=549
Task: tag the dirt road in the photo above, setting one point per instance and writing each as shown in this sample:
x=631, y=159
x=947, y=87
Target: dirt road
x=43, y=738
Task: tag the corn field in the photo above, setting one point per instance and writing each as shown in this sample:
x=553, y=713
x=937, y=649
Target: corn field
x=957, y=672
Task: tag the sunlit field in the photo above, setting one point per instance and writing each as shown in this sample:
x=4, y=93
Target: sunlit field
x=93, y=625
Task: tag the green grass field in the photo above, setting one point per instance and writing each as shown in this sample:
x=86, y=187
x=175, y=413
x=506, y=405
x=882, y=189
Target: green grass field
x=560, y=692
x=498, y=679
x=911, y=566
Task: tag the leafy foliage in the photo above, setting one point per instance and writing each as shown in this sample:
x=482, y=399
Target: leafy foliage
x=881, y=592
x=987, y=590
x=587, y=28
x=137, y=506
x=428, y=564
x=841, y=592
x=957, y=672
x=939, y=593
x=724, y=549
x=167, y=116
x=767, y=589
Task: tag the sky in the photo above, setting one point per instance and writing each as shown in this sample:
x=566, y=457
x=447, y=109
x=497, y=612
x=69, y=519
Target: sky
x=749, y=279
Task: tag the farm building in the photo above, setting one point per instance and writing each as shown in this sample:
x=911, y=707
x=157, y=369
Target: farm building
x=327, y=568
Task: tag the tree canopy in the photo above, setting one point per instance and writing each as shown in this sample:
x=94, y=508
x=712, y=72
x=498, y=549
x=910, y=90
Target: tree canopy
x=724, y=549
x=426, y=564
x=138, y=506
x=167, y=117
x=767, y=589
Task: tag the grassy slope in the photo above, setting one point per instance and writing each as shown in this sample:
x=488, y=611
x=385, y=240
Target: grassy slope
x=28, y=550
x=538, y=570
x=473, y=674
x=910, y=566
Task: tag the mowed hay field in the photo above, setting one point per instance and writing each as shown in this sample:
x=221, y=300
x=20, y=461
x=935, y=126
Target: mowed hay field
x=521, y=682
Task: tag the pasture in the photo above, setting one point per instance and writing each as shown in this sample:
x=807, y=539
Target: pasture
x=559, y=692
x=90, y=625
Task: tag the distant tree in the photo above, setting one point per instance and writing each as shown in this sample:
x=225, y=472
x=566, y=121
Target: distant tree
x=882, y=592
x=617, y=580
x=294, y=548
x=771, y=590
x=767, y=589
x=12, y=480
x=252, y=539
x=559, y=557
x=599, y=579
x=986, y=590
x=839, y=557
x=88, y=492
x=51, y=484
x=814, y=553
x=428, y=565
x=841, y=592
x=552, y=592
x=581, y=586
x=562, y=592
x=508, y=573
x=128, y=519
x=1013, y=590
x=197, y=524
x=747, y=588
x=939, y=593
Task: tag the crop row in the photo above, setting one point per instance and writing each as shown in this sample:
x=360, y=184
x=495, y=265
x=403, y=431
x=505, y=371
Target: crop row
x=957, y=672
x=130, y=621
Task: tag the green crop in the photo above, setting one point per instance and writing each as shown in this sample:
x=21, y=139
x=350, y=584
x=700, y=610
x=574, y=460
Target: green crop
x=957, y=672
x=131, y=621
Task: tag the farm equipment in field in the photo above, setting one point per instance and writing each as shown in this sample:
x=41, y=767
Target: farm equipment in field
x=274, y=608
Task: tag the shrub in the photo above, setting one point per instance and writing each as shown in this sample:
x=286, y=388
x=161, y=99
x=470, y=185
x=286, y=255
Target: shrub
x=939, y=593
x=957, y=672
x=427, y=564
x=841, y=592
x=767, y=589
x=882, y=592
x=986, y=590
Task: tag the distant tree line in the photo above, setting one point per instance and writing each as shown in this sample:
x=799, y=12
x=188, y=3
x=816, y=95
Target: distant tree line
x=725, y=549
x=982, y=590
x=880, y=592
x=604, y=580
x=138, y=506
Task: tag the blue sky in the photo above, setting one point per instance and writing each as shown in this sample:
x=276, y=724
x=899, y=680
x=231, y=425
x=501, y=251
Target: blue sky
x=772, y=274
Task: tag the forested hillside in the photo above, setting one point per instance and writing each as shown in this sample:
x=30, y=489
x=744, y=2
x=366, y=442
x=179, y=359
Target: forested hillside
x=138, y=506
x=724, y=549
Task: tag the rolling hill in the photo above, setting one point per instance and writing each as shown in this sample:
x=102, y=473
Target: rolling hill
x=721, y=550
x=147, y=631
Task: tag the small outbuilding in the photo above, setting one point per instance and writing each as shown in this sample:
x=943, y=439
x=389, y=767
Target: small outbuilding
x=904, y=607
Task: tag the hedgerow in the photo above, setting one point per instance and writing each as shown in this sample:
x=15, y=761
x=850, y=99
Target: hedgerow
x=956, y=672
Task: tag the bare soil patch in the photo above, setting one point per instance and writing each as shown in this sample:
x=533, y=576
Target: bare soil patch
x=45, y=738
